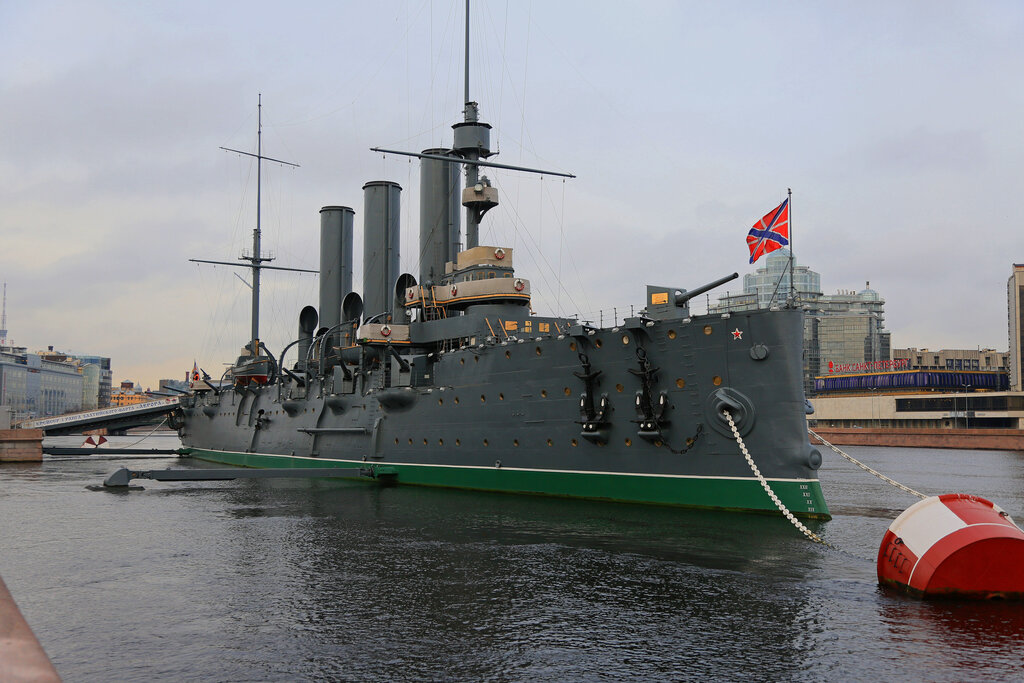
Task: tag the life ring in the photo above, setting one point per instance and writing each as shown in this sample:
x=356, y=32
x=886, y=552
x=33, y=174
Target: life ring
x=385, y=330
x=499, y=253
x=455, y=290
x=519, y=285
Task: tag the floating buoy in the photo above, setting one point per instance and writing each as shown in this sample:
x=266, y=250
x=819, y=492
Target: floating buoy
x=954, y=545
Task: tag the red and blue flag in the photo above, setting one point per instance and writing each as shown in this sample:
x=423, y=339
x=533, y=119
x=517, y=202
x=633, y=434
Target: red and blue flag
x=769, y=233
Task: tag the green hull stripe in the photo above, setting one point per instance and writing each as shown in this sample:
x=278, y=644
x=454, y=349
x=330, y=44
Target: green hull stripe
x=802, y=497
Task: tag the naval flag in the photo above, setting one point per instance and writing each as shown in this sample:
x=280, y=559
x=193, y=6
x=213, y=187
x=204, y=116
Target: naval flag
x=769, y=233
x=195, y=371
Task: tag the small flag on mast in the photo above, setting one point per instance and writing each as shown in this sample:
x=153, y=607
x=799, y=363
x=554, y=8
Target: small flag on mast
x=195, y=371
x=769, y=233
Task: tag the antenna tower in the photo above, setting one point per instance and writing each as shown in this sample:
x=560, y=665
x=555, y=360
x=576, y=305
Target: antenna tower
x=3, y=320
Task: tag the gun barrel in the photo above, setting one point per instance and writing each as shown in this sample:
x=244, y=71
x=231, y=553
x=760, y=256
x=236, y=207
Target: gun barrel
x=706, y=288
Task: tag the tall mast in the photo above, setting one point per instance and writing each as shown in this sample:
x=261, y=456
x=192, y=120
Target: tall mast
x=256, y=258
x=473, y=142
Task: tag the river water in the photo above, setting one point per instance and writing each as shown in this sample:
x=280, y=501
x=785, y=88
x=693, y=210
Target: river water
x=295, y=580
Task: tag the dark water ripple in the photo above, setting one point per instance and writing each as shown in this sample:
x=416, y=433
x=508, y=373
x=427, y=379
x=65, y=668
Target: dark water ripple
x=316, y=580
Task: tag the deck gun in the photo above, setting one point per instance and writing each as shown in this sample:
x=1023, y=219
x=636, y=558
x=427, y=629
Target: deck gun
x=666, y=302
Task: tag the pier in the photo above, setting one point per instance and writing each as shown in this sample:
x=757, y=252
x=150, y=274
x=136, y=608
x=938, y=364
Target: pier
x=22, y=658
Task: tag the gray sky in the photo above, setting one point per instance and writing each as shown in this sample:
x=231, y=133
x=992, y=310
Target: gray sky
x=897, y=124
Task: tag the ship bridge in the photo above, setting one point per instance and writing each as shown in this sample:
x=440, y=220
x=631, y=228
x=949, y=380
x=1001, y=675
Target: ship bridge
x=112, y=419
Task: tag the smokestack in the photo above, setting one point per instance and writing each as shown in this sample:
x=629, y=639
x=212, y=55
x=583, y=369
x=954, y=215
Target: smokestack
x=307, y=327
x=380, y=245
x=440, y=208
x=335, y=261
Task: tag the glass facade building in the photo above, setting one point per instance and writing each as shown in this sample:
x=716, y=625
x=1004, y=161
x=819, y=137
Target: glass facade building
x=846, y=328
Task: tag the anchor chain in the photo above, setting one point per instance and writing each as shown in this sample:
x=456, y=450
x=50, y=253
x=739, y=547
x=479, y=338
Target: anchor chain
x=864, y=467
x=768, y=489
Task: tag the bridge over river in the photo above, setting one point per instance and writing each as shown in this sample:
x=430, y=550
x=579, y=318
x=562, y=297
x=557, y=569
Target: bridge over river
x=112, y=419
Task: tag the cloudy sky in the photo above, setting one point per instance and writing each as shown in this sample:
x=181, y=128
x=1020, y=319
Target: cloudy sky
x=898, y=125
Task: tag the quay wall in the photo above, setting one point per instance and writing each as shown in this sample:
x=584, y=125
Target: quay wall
x=21, y=445
x=22, y=658
x=965, y=439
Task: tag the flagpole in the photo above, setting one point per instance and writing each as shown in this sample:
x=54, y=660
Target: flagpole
x=792, y=272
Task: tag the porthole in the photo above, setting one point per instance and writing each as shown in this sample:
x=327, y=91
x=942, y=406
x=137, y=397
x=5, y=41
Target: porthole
x=671, y=334
x=424, y=441
x=680, y=382
x=476, y=359
x=567, y=391
x=575, y=442
x=625, y=339
x=716, y=380
x=485, y=442
x=508, y=354
x=572, y=346
x=462, y=361
x=501, y=397
x=458, y=442
x=456, y=400
x=440, y=401
x=410, y=441
x=619, y=388
x=707, y=329
x=543, y=393
x=440, y=442
x=597, y=343
x=483, y=399
x=550, y=443
x=629, y=442
x=537, y=351
x=396, y=440
x=515, y=442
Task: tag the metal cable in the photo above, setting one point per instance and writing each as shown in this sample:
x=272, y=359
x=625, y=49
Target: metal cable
x=864, y=467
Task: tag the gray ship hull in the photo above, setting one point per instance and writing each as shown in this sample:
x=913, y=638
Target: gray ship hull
x=508, y=414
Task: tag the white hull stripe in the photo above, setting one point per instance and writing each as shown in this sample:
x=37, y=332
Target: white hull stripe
x=514, y=469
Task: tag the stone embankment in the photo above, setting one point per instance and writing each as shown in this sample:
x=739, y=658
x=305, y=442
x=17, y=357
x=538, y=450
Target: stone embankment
x=963, y=439
x=21, y=445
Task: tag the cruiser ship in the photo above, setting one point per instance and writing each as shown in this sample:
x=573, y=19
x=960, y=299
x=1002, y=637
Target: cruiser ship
x=448, y=379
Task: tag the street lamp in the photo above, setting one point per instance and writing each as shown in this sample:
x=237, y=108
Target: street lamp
x=967, y=417
x=873, y=394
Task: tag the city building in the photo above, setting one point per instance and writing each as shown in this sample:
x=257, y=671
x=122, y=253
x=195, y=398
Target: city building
x=105, y=377
x=1015, y=315
x=39, y=384
x=173, y=386
x=986, y=360
x=846, y=328
x=128, y=394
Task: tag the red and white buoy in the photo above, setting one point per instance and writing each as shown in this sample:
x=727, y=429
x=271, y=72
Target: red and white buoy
x=954, y=545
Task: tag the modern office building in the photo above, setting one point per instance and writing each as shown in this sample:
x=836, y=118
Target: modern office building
x=105, y=377
x=1015, y=319
x=844, y=329
x=38, y=385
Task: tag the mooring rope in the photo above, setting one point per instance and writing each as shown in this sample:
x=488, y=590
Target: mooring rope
x=864, y=467
x=147, y=435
